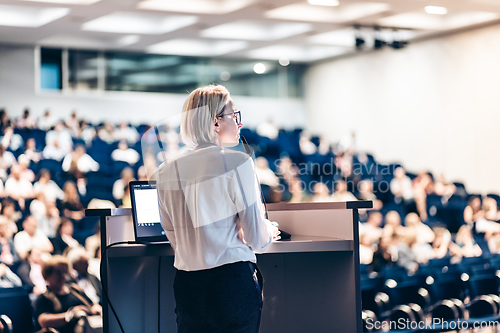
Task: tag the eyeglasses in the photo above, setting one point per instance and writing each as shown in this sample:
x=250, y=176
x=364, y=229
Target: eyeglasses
x=236, y=116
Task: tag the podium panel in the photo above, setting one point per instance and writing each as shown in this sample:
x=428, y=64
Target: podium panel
x=311, y=282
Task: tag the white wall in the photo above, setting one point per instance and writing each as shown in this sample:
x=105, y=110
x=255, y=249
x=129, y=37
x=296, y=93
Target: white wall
x=17, y=91
x=432, y=106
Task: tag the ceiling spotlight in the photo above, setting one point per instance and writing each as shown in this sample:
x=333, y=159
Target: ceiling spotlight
x=225, y=76
x=259, y=68
x=360, y=41
x=284, y=61
x=378, y=42
x=398, y=42
x=436, y=10
x=330, y=3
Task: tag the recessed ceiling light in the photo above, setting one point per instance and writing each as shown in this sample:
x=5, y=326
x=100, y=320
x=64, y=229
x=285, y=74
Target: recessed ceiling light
x=331, y=3
x=259, y=68
x=139, y=23
x=68, y=2
x=255, y=30
x=217, y=7
x=29, y=16
x=436, y=10
x=284, y=61
x=225, y=76
x=193, y=47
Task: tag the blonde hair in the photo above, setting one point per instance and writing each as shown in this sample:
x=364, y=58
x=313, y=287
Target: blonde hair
x=199, y=112
x=49, y=265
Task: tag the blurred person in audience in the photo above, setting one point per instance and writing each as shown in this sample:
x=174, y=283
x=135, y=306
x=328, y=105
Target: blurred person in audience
x=474, y=216
x=141, y=173
x=63, y=304
x=401, y=252
x=307, y=147
x=343, y=162
x=393, y=224
x=424, y=233
x=124, y=132
x=2, y=190
x=341, y=194
x=441, y=243
x=49, y=187
x=150, y=166
x=402, y=187
x=125, y=154
x=7, y=159
x=126, y=176
x=126, y=200
x=268, y=129
x=46, y=122
x=31, y=152
x=442, y=188
x=17, y=188
x=53, y=151
x=264, y=173
x=79, y=163
x=73, y=125
x=71, y=206
x=60, y=134
x=31, y=237
x=321, y=193
x=365, y=192
x=11, y=140
x=30, y=272
x=173, y=150
x=87, y=131
x=465, y=245
x=297, y=190
x=90, y=284
x=92, y=243
x=4, y=121
x=287, y=169
x=324, y=147
x=46, y=214
x=26, y=121
x=381, y=257
x=64, y=241
x=372, y=227
x=8, y=211
x=25, y=172
x=8, y=253
x=8, y=279
x=365, y=250
x=490, y=208
x=423, y=185
x=106, y=133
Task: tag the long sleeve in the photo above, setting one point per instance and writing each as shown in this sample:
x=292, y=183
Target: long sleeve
x=250, y=209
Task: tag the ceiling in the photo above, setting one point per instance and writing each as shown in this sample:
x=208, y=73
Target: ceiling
x=270, y=29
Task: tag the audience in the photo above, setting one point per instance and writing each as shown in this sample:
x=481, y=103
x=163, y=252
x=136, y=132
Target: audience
x=341, y=193
x=30, y=272
x=62, y=306
x=410, y=246
x=125, y=154
x=71, y=206
x=64, y=241
x=30, y=238
x=87, y=282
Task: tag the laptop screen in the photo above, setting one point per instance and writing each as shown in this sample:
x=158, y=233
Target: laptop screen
x=145, y=212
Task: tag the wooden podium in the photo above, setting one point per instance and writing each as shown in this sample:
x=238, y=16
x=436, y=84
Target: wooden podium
x=311, y=282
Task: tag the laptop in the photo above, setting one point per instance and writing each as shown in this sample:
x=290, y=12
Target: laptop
x=146, y=212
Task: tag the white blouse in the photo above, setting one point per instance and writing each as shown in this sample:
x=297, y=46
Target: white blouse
x=202, y=194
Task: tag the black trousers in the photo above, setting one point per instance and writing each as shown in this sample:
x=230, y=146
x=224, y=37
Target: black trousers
x=222, y=299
